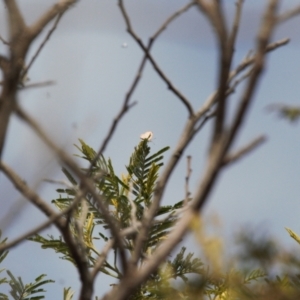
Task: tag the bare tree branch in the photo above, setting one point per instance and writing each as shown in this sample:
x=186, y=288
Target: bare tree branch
x=249, y=60
x=86, y=183
x=101, y=259
x=57, y=9
x=26, y=69
x=129, y=283
x=294, y=12
x=154, y=64
x=265, y=33
x=135, y=82
x=214, y=12
x=79, y=257
x=171, y=19
x=150, y=214
x=139, y=267
x=37, y=85
x=216, y=158
x=41, y=227
x=125, y=107
x=235, y=26
x=211, y=100
x=64, y=157
x=22, y=187
x=231, y=158
x=20, y=38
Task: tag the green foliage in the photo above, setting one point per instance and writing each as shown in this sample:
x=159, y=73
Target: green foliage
x=68, y=294
x=29, y=291
x=160, y=284
x=254, y=275
x=119, y=194
x=4, y=253
x=290, y=112
x=19, y=291
x=295, y=236
x=183, y=277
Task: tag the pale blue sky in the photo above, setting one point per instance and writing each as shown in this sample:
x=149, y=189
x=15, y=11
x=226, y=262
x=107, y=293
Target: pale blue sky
x=93, y=73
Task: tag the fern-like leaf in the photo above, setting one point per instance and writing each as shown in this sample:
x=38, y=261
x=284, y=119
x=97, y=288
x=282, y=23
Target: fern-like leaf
x=68, y=294
x=19, y=291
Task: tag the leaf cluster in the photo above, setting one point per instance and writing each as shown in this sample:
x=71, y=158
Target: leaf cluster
x=183, y=277
x=126, y=198
x=19, y=290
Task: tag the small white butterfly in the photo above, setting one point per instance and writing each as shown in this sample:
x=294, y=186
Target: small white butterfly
x=148, y=135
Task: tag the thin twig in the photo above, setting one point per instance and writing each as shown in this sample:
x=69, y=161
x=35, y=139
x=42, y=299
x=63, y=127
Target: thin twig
x=211, y=100
x=170, y=85
x=41, y=227
x=47, y=37
x=235, y=26
x=227, y=43
x=265, y=33
x=37, y=85
x=199, y=125
x=213, y=10
x=231, y=158
x=250, y=60
x=126, y=106
x=133, y=211
x=34, y=198
x=232, y=88
x=102, y=258
x=172, y=18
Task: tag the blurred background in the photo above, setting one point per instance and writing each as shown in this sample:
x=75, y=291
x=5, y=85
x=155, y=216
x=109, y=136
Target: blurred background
x=93, y=62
